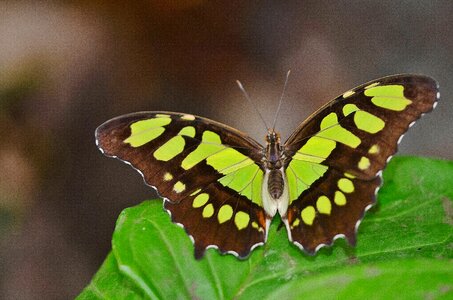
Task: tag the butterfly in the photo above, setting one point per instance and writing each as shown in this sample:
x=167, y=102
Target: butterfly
x=225, y=188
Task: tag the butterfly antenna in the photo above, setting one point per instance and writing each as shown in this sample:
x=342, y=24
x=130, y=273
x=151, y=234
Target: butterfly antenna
x=281, y=100
x=251, y=103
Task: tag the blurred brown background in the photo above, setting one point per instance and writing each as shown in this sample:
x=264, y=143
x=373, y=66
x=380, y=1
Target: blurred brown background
x=68, y=66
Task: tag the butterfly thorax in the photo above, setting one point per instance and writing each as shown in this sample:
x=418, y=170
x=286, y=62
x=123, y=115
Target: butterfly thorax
x=275, y=187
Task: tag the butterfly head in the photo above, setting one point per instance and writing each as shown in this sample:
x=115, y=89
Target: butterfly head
x=272, y=137
x=273, y=150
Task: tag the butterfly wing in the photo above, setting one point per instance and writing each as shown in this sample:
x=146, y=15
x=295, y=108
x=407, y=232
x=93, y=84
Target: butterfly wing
x=337, y=156
x=209, y=174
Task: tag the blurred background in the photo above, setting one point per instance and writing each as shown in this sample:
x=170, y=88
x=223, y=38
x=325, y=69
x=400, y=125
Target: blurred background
x=68, y=66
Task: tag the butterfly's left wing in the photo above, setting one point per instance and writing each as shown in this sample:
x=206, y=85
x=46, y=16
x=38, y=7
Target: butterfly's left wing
x=337, y=155
x=209, y=174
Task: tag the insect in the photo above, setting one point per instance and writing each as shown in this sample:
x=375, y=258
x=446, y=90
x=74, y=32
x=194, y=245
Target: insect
x=224, y=188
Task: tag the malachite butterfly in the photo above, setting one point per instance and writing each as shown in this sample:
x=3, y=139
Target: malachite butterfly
x=224, y=188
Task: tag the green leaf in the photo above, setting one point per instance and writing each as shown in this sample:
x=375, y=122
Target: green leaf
x=109, y=283
x=405, y=250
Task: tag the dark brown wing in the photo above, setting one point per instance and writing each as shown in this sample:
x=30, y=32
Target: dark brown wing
x=342, y=149
x=192, y=162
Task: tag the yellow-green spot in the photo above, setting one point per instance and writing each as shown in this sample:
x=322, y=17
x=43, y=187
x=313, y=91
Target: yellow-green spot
x=389, y=97
x=295, y=187
x=195, y=192
x=364, y=163
x=255, y=190
x=349, y=109
x=255, y=225
x=349, y=175
x=296, y=222
x=329, y=121
x=346, y=185
x=364, y=120
x=300, y=175
x=145, y=131
x=175, y=145
x=368, y=122
x=323, y=205
x=162, y=116
x=332, y=130
x=168, y=176
x=241, y=219
x=187, y=131
x=316, y=150
x=188, y=117
x=339, y=198
x=208, y=211
x=225, y=213
x=308, y=215
x=179, y=187
x=348, y=94
x=247, y=181
x=200, y=200
x=373, y=149
x=211, y=137
x=228, y=160
x=210, y=144
x=170, y=149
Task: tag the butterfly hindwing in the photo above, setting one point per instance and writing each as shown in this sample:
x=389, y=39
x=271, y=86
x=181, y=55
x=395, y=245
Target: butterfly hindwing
x=331, y=208
x=338, y=153
x=207, y=173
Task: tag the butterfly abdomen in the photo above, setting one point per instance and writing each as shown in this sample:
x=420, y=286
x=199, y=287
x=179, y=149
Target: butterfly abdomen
x=275, y=184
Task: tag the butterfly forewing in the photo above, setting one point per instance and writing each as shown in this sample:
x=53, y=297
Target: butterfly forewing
x=338, y=153
x=210, y=174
